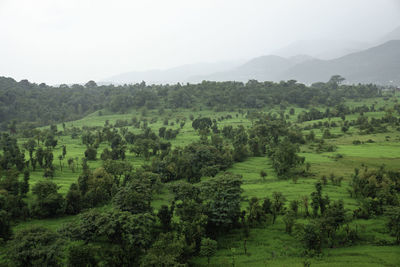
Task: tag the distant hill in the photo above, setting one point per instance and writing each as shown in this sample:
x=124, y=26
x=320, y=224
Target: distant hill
x=305, y=61
x=172, y=75
x=322, y=49
x=380, y=64
x=264, y=68
x=393, y=35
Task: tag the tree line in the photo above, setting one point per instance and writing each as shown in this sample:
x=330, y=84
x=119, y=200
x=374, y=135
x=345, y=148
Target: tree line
x=29, y=105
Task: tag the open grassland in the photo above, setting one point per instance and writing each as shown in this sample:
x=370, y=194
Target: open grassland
x=267, y=245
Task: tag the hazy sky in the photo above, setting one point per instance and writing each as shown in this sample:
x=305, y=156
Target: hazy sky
x=67, y=41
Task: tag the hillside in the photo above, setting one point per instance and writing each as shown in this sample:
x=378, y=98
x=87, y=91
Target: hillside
x=322, y=49
x=171, y=75
x=121, y=188
x=380, y=64
x=264, y=68
x=393, y=35
x=306, y=61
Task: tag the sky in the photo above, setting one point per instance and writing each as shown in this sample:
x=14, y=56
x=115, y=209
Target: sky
x=74, y=41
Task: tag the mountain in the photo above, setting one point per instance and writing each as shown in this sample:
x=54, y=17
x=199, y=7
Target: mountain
x=264, y=68
x=393, y=35
x=331, y=49
x=305, y=61
x=380, y=64
x=172, y=75
x=322, y=49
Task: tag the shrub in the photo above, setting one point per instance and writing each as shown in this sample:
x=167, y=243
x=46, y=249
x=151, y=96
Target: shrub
x=356, y=142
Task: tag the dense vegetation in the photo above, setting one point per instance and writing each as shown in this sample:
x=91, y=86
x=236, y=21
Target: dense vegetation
x=43, y=105
x=214, y=173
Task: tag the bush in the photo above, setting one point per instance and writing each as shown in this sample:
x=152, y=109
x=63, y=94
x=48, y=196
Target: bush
x=48, y=201
x=356, y=142
x=81, y=255
x=35, y=246
x=90, y=153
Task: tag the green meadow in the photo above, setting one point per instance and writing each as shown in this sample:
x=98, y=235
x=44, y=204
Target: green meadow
x=268, y=245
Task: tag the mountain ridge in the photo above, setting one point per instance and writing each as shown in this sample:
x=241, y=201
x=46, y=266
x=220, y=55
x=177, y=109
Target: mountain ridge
x=379, y=64
x=362, y=63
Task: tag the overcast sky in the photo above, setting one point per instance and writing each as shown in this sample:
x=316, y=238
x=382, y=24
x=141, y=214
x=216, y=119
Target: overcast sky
x=68, y=41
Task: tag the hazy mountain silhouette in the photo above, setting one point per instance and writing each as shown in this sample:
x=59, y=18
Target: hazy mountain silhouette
x=260, y=68
x=172, y=75
x=380, y=64
x=322, y=49
x=305, y=61
x=393, y=35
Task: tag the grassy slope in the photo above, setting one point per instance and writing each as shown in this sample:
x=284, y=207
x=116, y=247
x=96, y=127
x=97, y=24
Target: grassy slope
x=268, y=246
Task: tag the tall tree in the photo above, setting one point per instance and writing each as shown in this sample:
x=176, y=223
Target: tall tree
x=222, y=200
x=35, y=246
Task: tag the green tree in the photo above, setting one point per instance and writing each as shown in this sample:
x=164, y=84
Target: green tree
x=167, y=250
x=240, y=151
x=202, y=124
x=135, y=197
x=88, y=138
x=161, y=132
x=60, y=158
x=256, y=214
x=333, y=218
x=5, y=227
x=90, y=153
x=81, y=255
x=394, y=223
x=50, y=141
x=317, y=201
x=40, y=156
x=30, y=145
x=165, y=215
x=35, y=246
x=208, y=248
x=132, y=233
x=289, y=219
x=263, y=174
x=192, y=222
x=12, y=155
x=48, y=202
x=64, y=151
x=335, y=81
x=311, y=237
x=96, y=187
x=10, y=182
x=304, y=200
x=24, y=186
x=91, y=84
x=284, y=157
x=222, y=200
x=73, y=204
x=277, y=207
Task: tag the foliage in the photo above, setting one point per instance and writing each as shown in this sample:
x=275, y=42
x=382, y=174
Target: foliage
x=208, y=248
x=36, y=246
x=134, y=197
x=5, y=227
x=394, y=223
x=166, y=251
x=64, y=103
x=48, y=201
x=81, y=255
x=222, y=200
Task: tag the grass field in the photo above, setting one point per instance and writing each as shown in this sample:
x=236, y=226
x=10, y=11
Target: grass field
x=267, y=245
